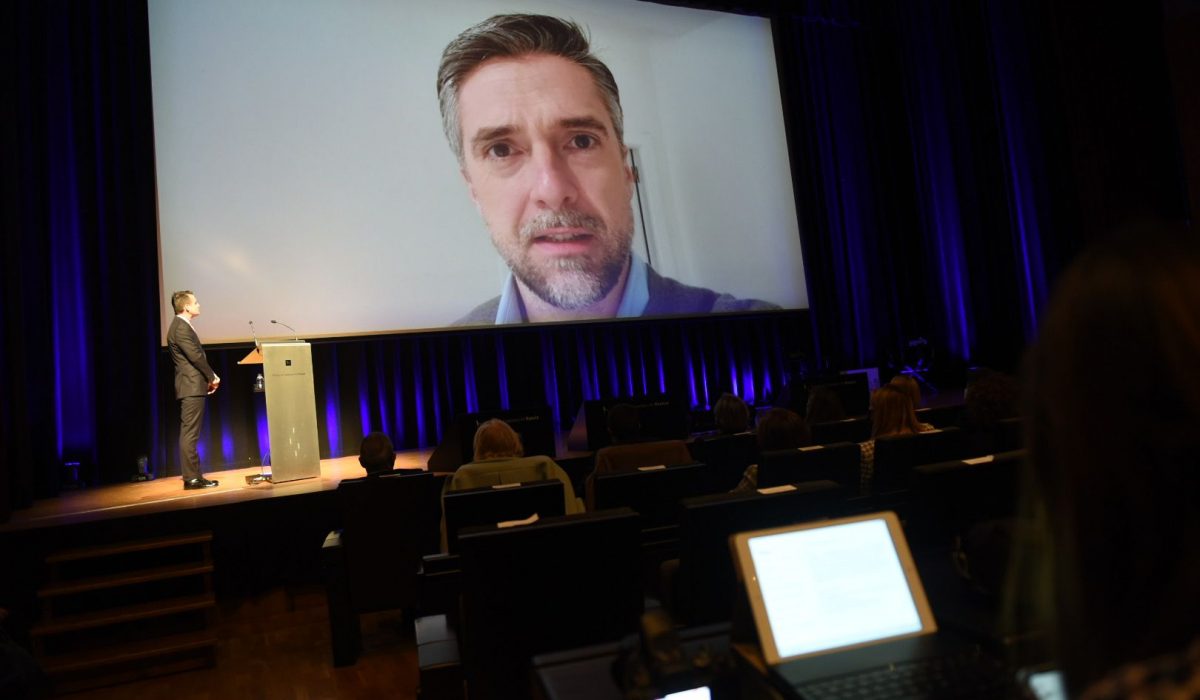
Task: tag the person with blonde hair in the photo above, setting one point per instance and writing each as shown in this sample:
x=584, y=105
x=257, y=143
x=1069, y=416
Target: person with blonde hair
x=909, y=385
x=500, y=459
x=495, y=439
x=891, y=414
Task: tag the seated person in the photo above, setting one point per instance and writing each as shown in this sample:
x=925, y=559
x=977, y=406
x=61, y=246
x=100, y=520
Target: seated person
x=823, y=406
x=779, y=429
x=499, y=460
x=891, y=414
x=376, y=454
x=731, y=414
x=906, y=383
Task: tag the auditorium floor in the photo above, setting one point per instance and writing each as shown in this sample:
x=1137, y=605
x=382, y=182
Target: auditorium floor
x=276, y=645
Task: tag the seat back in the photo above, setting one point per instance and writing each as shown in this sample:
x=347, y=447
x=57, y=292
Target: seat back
x=705, y=586
x=629, y=457
x=837, y=462
x=725, y=458
x=849, y=430
x=391, y=514
x=953, y=496
x=896, y=456
x=558, y=584
x=653, y=494
x=494, y=504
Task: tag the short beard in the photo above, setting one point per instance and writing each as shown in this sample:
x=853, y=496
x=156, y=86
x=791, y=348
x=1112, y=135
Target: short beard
x=572, y=283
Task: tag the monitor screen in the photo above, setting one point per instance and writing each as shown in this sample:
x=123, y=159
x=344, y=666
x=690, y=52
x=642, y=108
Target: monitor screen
x=303, y=174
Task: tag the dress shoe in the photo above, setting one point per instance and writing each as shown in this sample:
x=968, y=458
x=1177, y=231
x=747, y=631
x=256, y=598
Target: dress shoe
x=200, y=483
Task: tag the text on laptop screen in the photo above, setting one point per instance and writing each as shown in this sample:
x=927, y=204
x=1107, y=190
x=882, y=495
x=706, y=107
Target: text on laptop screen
x=831, y=587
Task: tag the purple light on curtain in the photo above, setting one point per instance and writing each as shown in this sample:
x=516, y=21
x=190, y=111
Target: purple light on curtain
x=656, y=343
x=584, y=343
x=1011, y=71
x=689, y=367
x=468, y=363
x=381, y=399
x=627, y=361
x=397, y=427
x=419, y=393
x=930, y=108
x=333, y=413
x=264, y=432
x=614, y=374
x=748, y=394
x=364, y=392
x=550, y=379
x=74, y=398
x=641, y=364
x=501, y=372
x=440, y=396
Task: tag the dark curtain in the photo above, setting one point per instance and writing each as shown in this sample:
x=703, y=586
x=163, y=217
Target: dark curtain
x=949, y=157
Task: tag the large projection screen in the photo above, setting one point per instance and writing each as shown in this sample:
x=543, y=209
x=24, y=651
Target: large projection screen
x=303, y=175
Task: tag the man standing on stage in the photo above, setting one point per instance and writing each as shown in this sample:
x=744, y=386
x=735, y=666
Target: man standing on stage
x=194, y=380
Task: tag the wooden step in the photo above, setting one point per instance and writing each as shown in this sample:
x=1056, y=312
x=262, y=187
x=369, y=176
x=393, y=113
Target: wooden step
x=107, y=550
x=107, y=656
x=112, y=616
x=123, y=579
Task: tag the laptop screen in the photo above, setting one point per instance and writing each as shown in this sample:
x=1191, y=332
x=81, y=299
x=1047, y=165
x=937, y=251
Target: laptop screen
x=832, y=585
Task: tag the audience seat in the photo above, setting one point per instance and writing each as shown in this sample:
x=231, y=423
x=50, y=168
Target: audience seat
x=896, y=456
x=654, y=493
x=838, y=462
x=704, y=587
x=628, y=457
x=392, y=513
x=849, y=430
x=726, y=458
x=493, y=504
x=558, y=584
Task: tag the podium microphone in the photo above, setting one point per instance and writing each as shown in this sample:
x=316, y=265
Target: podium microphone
x=293, y=330
x=254, y=335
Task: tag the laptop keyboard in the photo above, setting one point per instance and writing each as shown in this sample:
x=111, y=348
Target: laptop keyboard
x=966, y=676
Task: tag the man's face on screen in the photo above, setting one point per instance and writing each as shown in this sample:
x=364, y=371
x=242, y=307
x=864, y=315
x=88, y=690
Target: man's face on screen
x=548, y=174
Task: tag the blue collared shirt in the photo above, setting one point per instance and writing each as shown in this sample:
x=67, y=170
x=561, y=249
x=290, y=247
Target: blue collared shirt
x=633, y=300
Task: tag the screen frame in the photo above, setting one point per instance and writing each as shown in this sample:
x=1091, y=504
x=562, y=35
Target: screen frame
x=748, y=575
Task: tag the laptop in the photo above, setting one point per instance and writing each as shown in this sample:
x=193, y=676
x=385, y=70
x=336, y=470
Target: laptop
x=840, y=612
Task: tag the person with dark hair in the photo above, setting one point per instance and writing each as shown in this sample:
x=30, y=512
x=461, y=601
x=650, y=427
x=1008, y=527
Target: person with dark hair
x=779, y=429
x=624, y=425
x=891, y=414
x=823, y=406
x=376, y=454
x=1114, y=473
x=194, y=380
x=731, y=414
x=535, y=121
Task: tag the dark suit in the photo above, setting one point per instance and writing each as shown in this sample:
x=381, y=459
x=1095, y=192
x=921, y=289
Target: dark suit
x=192, y=379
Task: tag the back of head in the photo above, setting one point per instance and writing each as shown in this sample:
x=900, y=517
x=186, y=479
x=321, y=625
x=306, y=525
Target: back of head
x=781, y=429
x=1115, y=421
x=624, y=425
x=731, y=414
x=892, y=412
x=992, y=396
x=824, y=406
x=376, y=453
x=495, y=439
x=909, y=386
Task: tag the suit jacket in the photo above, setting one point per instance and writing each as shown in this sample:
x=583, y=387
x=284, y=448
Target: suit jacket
x=192, y=373
x=667, y=297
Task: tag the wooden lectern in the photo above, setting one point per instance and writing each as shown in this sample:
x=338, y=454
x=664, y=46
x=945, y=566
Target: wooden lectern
x=291, y=408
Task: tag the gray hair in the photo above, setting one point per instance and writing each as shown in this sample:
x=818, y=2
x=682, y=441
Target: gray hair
x=512, y=36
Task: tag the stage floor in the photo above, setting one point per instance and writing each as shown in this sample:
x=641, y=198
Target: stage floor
x=165, y=494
